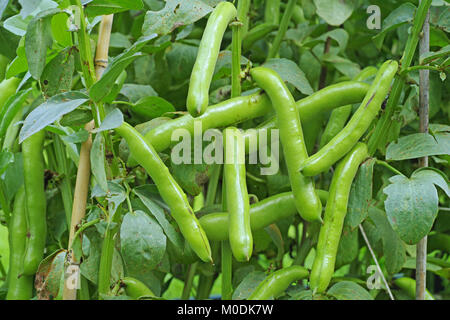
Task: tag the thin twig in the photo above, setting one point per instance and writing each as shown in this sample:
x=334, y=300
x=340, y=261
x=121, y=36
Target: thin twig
x=376, y=261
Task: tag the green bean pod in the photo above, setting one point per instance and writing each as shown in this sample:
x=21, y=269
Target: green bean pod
x=335, y=211
x=208, y=51
x=240, y=109
x=356, y=127
x=7, y=88
x=272, y=11
x=135, y=288
x=33, y=173
x=257, y=33
x=238, y=203
x=409, y=286
x=262, y=214
x=169, y=190
x=291, y=136
x=277, y=282
x=339, y=116
x=20, y=287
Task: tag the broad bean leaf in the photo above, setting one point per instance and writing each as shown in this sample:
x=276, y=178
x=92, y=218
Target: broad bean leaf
x=98, y=161
x=134, y=92
x=50, y=111
x=393, y=248
x=291, y=73
x=57, y=75
x=6, y=158
x=103, y=7
x=339, y=35
x=143, y=243
x=102, y=87
x=175, y=14
x=412, y=203
x=248, y=285
x=419, y=145
x=430, y=56
x=360, y=194
x=403, y=14
x=160, y=216
x=37, y=39
x=348, y=290
x=112, y=120
x=334, y=12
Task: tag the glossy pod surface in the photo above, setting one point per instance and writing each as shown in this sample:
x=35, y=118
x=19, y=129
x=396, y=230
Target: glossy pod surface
x=335, y=211
x=33, y=173
x=169, y=190
x=277, y=282
x=262, y=214
x=356, y=127
x=208, y=51
x=238, y=204
x=240, y=109
x=291, y=136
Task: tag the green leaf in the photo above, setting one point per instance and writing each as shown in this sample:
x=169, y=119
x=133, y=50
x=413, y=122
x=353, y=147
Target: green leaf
x=57, y=75
x=419, y=145
x=149, y=108
x=339, y=35
x=334, y=12
x=344, y=66
x=393, y=248
x=11, y=108
x=223, y=64
x=134, y=92
x=37, y=39
x=103, y=7
x=430, y=56
x=160, y=216
x=348, y=290
x=112, y=120
x=6, y=158
x=191, y=177
x=50, y=111
x=411, y=206
x=142, y=241
x=98, y=161
x=348, y=246
x=248, y=285
x=403, y=14
x=176, y=13
x=360, y=194
x=102, y=87
x=291, y=73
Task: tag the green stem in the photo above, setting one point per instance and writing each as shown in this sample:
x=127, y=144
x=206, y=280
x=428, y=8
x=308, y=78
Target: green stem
x=83, y=227
x=188, y=282
x=388, y=166
x=205, y=284
x=104, y=275
x=287, y=15
x=236, y=45
x=227, y=271
x=4, y=203
x=420, y=67
x=383, y=126
x=212, y=184
x=66, y=186
x=227, y=257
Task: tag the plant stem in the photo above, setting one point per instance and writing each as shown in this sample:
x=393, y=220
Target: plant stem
x=236, y=45
x=376, y=261
x=66, y=185
x=188, y=282
x=212, y=184
x=287, y=15
x=427, y=67
x=385, y=122
x=104, y=36
x=227, y=257
x=388, y=166
x=424, y=87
